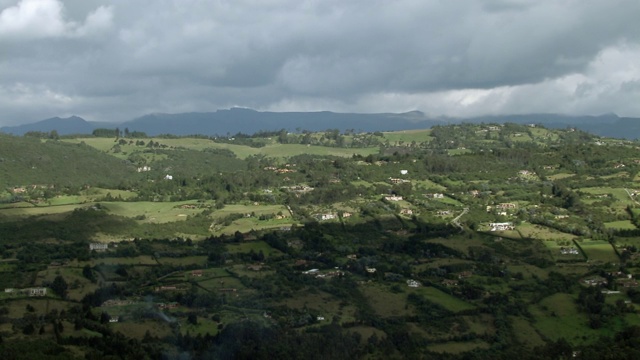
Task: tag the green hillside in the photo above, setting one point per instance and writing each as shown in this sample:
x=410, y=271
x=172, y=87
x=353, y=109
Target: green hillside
x=29, y=161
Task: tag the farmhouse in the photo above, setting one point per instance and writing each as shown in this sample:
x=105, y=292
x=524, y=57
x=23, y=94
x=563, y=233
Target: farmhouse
x=569, y=251
x=168, y=177
x=196, y=273
x=413, y=283
x=327, y=216
x=144, y=169
x=393, y=198
x=505, y=206
x=40, y=291
x=449, y=282
x=398, y=181
x=501, y=226
x=98, y=247
x=370, y=270
x=406, y=212
x=435, y=196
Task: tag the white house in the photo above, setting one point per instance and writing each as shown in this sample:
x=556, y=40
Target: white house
x=98, y=246
x=168, y=177
x=501, y=226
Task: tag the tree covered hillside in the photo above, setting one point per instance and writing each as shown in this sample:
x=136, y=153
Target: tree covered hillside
x=27, y=161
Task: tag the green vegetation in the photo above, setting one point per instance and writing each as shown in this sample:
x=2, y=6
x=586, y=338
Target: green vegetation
x=458, y=242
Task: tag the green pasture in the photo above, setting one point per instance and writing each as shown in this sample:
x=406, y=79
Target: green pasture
x=427, y=184
x=288, y=150
x=137, y=329
x=97, y=193
x=407, y=136
x=599, y=250
x=256, y=246
x=620, y=174
x=528, y=271
x=443, y=299
x=458, y=347
x=622, y=225
x=459, y=151
x=367, y=331
x=540, y=232
x=42, y=305
x=183, y=261
x=138, y=260
x=19, y=204
x=385, y=302
x=241, y=151
x=458, y=243
x=520, y=137
x=248, y=209
x=242, y=270
x=78, y=284
x=155, y=212
x=525, y=332
x=245, y=225
x=449, y=201
x=39, y=210
x=321, y=304
x=618, y=194
x=557, y=317
x=215, y=284
x=555, y=246
x=559, y=176
x=480, y=324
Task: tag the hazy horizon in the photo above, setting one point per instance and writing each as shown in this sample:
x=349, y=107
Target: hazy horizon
x=113, y=62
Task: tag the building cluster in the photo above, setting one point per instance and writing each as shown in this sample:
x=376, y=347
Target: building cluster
x=98, y=247
x=32, y=292
x=501, y=226
x=569, y=251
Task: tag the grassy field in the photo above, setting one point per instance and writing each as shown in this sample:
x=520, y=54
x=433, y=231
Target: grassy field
x=528, y=271
x=427, y=184
x=555, y=246
x=619, y=195
x=241, y=151
x=622, y=224
x=407, y=136
x=155, y=212
x=256, y=246
x=248, y=209
x=138, y=260
x=137, y=329
x=599, y=251
x=78, y=284
x=540, y=232
x=386, y=303
x=447, y=301
x=525, y=332
x=559, y=176
x=458, y=347
x=188, y=260
x=39, y=210
x=557, y=317
x=322, y=304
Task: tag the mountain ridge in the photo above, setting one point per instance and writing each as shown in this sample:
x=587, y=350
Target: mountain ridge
x=244, y=120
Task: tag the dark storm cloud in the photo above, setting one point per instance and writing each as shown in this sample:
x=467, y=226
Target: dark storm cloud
x=115, y=60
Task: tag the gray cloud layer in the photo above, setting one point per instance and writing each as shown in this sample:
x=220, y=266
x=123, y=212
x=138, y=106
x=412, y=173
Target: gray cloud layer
x=111, y=61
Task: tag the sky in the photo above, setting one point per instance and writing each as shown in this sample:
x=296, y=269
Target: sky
x=117, y=60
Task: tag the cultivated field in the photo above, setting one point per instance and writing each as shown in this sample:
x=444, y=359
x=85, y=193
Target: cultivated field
x=597, y=250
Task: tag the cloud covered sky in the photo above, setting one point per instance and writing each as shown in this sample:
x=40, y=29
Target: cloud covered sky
x=116, y=60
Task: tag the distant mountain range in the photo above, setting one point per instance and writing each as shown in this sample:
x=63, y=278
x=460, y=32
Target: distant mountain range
x=232, y=121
